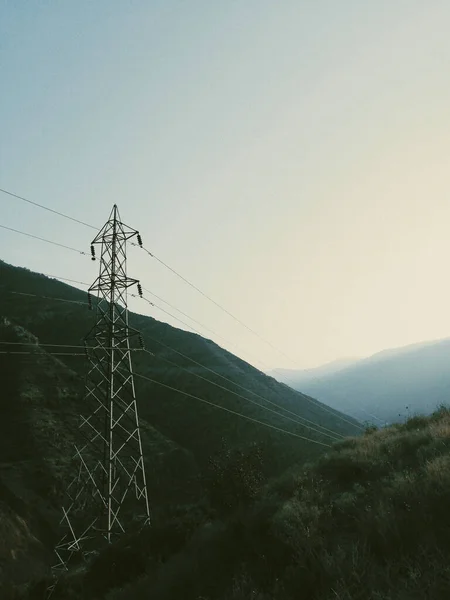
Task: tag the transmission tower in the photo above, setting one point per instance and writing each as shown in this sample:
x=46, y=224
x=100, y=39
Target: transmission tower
x=108, y=494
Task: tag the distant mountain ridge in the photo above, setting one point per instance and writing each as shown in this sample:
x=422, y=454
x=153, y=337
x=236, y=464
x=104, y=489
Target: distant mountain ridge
x=295, y=375
x=388, y=386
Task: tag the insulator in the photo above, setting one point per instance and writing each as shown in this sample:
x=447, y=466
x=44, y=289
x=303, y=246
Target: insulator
x=86, y=350
x=141, y=342
x=92, y=252
x=139, y=287
x=139, y=239
x=89, y=301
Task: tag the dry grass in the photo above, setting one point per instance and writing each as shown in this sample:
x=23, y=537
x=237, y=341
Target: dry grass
x=367, y=521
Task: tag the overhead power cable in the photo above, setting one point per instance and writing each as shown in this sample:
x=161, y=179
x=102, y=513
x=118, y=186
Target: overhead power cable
x=307, y=398
x=65, y=279
x=322, y=406
x=165, y=265
x=36, y=237
x=44, y=353
x=166, y=312
x=178, y=391
x=220, y=337
x=304, y=397
x=244, y=325
x=214, y=302
x=315, y=402
x=38, y=345
x=229, y=410
x=334, y=435
x=50, y=298
x=180, y=311
x=296, y=421
x=187, y=324
x=178, y=275
x=47, y=208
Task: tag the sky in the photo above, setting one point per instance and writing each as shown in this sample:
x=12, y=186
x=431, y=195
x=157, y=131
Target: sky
x=290, y=158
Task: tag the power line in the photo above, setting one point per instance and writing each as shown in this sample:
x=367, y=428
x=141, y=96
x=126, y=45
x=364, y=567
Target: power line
x=196, y=331
x=329, y=410
x=322, y=407
x=239, y=321
x=167, y=313
x=335, y=434
x=197, y=363
x=183, y=323
x=216, y=303
x=49, y=298
x=165, y=265
x=199, y=333
x=45, y=345
x=36, y=237
x=307, y=398
x=247, y=399
x=204, y=327
x=65, y=279
x=44, y=353
x=197, y=289
x=193, y=328
x=187, y=324
x=38, y=345
x=229, y=410
x=173, y=271
x=86, y=254
x=46, y=208
x=180, y=311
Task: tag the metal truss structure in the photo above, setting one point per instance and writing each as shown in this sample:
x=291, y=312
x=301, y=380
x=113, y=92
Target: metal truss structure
x=108, y=495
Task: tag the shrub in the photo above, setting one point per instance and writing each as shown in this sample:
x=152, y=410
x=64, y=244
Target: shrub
x=233, y=478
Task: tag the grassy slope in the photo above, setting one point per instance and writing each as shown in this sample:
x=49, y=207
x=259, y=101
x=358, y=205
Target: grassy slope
x=191, y=424
x=368, y=521
x=40, y=404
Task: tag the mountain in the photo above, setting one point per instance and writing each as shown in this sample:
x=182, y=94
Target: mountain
x=41, y=396
x=368, y=520
x=294, y=377
x=390, y=385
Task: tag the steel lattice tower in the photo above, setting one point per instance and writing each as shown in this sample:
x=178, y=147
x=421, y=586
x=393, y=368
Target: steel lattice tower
x=108, y=496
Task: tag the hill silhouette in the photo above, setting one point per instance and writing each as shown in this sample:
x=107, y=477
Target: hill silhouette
x=42, y=394
x=295, y=377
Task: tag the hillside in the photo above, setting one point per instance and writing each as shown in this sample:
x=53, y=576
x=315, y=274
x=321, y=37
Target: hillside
x=367, y=521
x=40, y=403
x=39, y=407
x=388, y=386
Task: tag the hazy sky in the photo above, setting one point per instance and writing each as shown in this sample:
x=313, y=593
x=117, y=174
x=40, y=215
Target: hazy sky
x=290, y=158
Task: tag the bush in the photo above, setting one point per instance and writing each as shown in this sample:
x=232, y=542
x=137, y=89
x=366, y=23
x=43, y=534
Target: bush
x=234, y=477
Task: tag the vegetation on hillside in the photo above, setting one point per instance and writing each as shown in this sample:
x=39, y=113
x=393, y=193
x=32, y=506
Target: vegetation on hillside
x=367, y=521
x=240, y=512
x=42, y=397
